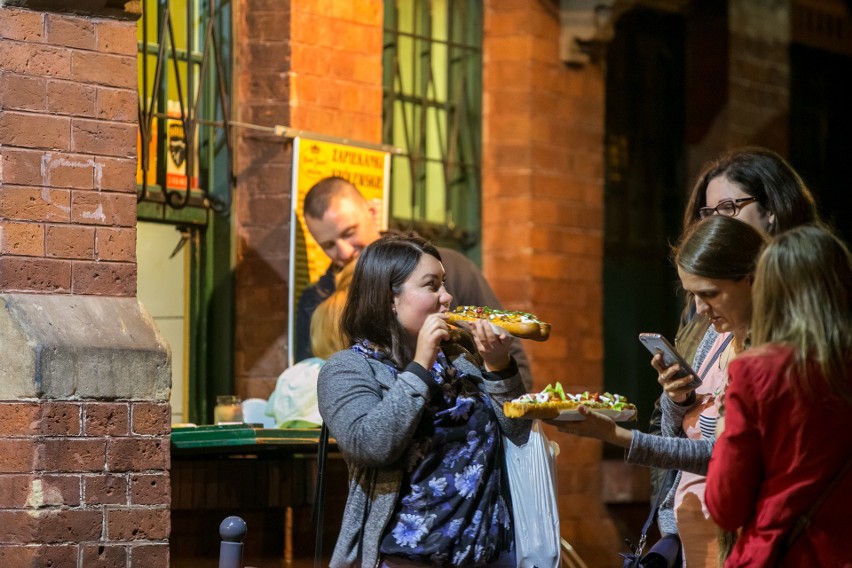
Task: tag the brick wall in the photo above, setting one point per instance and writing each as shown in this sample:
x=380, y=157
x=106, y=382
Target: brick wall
x=84, y=414
x=314, y=66
x=68, y=132
x=543, y=181
x=87, y=481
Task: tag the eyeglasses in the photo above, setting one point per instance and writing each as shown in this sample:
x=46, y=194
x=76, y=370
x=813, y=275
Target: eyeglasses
x=726, y=207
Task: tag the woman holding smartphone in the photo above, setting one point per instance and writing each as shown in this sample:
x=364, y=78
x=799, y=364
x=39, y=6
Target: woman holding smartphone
x=758, y=187
x=715, y=261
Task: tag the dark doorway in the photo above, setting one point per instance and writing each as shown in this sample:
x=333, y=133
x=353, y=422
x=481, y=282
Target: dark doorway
x=820, y=127
x=644, y=195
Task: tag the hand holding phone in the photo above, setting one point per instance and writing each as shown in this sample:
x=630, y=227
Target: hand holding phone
x=656, y=343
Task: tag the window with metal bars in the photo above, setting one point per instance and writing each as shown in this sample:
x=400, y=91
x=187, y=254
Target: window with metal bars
x=184, y=134
x=432, y=111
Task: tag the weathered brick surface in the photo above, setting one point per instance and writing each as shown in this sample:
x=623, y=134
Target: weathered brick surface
x=68, y=97
x=103, y=138
x=116, y=37
x=59, y=418
x=20, y=274
x=22, y=25
x=71, y=525
x=19, y=92
x=103, y=69
x=19, y=419
x=115, y=174
x=35, y=204
x=34, y=491
x=96, y=208
x=59, y=170
x=105, y=489
x=74, y=454
x=69, y=241
x=104, y=278
x=100, y=556
x=106, y=419
x=119, y=105
x=70, y=32
x=23, y=239
x=149, y=556
x=115, y=244
x=36, y=60
x=150, y=489
x=39, y=555
x=127, y=524
x=137, y=454
x=151, y=419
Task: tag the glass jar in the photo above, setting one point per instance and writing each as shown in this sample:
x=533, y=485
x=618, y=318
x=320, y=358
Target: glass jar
x=228, y=410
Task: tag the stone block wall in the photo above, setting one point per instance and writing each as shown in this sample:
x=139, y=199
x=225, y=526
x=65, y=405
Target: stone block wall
x=84, y=374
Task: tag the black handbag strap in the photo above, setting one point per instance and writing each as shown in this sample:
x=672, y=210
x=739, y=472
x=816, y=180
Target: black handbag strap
x=803, y=522
x=319, y=495
x=643, y=537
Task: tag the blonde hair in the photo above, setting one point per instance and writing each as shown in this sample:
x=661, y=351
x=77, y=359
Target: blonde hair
x=802, y=299
x=327, y=337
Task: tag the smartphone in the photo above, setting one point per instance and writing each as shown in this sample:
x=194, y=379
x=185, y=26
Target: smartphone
x=656, y=343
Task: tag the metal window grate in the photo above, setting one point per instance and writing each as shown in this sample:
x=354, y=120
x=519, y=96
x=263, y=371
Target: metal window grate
x=432, y=111
x=184, y=92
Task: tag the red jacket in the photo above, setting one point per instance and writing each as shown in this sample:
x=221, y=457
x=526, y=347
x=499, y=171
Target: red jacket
x=779, y=452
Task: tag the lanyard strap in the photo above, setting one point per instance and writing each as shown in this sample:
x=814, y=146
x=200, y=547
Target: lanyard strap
x=716, y=355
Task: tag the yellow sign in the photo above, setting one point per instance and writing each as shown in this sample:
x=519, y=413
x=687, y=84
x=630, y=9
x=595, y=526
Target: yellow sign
x=367, y=169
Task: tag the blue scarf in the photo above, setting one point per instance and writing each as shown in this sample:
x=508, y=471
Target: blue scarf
x=451, y=510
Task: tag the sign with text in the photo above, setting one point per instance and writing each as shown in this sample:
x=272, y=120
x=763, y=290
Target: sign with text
x=366, y=168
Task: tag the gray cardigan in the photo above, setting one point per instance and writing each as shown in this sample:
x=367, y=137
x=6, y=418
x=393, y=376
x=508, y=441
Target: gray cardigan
x=373, y=416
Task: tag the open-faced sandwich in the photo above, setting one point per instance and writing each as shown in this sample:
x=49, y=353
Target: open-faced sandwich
x=519, y=324
x=554, y=403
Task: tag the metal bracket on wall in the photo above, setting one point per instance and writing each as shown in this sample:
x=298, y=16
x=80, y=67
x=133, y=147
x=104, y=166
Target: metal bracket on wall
x=586, y=26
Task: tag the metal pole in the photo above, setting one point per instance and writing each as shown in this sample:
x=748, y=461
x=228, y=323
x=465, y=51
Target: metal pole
x=233, y=531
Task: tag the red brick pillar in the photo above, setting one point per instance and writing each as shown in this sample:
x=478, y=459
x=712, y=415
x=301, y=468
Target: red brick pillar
x=542, y=171
x=310, y=65
x=84, y=375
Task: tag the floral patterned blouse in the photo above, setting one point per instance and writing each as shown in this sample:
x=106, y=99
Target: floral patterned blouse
x=451, y=510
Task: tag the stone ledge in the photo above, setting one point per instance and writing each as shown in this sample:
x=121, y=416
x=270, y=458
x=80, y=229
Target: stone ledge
x=81, y=347
x=117, y=9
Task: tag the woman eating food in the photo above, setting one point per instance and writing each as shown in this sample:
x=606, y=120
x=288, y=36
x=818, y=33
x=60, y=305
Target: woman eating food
x=418, y=421
x=783, y=461
x=715, y=261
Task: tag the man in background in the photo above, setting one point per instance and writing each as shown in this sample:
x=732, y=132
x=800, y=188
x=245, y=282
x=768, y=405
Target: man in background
x=343, y=222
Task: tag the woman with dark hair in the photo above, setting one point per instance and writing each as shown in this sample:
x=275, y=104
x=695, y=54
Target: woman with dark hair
x=758, y=187
x=784, y=448
x=715, y=261
x=419, y=420
x=732, y=183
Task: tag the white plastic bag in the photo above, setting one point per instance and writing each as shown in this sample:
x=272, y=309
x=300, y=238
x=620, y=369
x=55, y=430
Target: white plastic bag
x=532, y=481
x=293, y=403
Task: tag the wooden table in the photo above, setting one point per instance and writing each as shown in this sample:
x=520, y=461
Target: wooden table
x=255, y=473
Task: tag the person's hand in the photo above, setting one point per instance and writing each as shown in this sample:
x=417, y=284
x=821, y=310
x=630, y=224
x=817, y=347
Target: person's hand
x=678, y=390
x=594, y=425
x=493, y=343
x=433, y=332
